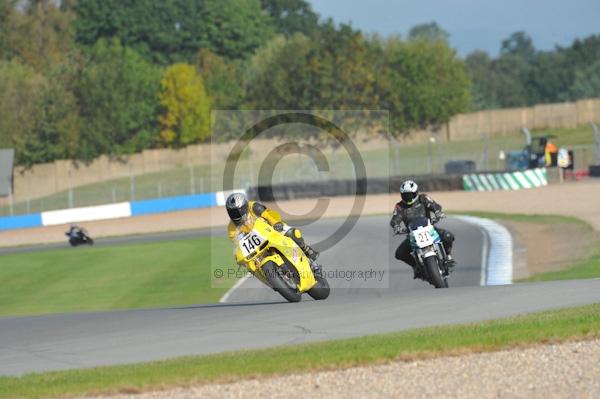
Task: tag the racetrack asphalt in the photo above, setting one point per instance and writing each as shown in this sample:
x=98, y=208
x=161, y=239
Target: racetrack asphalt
x=256, y=317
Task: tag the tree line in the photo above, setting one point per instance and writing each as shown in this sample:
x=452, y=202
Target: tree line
x=521, y=75
x=82, y=78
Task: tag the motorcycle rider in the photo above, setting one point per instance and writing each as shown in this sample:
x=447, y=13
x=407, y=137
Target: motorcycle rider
x=414, y=205
x=240, y=210
x=75, y=232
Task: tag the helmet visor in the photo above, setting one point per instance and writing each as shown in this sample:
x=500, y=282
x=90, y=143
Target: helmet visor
x=409, y=198
x=237, y=215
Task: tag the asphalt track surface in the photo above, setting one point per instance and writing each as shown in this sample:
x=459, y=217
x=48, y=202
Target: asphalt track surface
x=256, y=317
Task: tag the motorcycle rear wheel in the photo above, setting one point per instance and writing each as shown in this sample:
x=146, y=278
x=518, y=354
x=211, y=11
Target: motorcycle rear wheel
x=276, y=280
x=434, y=273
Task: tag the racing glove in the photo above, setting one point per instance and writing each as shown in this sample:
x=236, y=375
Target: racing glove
x=400, y=230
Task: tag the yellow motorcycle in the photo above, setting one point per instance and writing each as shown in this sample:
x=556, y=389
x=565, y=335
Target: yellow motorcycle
x=278, y=261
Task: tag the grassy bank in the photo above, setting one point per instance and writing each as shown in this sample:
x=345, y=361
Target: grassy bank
x=588, y=267
x=519, y=217
x=153, y=274
x=559, y=325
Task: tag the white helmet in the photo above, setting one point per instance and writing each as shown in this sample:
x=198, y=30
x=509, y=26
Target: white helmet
x=409, y=192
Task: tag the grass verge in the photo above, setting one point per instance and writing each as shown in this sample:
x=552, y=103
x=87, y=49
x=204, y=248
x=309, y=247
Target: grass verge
x=163, y=273
x=519, y=217
x=550, y=326
x=581, y=269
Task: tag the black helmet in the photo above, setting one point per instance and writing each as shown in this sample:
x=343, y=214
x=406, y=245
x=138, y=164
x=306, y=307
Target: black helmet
x=409, y=192
x=237, y=207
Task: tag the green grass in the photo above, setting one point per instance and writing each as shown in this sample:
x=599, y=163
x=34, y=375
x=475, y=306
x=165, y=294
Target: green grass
x=519, y=217
x=581, y=269
x=588, y=268
x=550, y=326
x=154, y=274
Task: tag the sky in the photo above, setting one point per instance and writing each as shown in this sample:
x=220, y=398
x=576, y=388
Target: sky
x=472, y=24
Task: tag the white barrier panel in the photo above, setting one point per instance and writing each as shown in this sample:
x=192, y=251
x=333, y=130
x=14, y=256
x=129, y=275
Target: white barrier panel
x=87, y=214
x=222, y=195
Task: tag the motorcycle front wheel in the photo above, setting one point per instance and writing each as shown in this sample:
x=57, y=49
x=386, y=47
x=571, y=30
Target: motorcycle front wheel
x=321, y=290
x=274, y=276
x=434, y=274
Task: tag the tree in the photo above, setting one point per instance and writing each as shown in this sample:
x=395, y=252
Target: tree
x=161, y=31
x=42, y=34
x=478, y=65
x=519, y=44
x=430, y=32
x=186, y=107
x=292, y=16
x=118, y=101
x=20, y=105
x=222, y=79
x=36, y=115
x=235, y=28
x=587, y=82
x=6, y=27
x=422, y=83
x=331, y=70
x=165, y=32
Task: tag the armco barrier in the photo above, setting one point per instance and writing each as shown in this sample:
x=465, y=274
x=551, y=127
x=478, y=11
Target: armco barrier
x=21, y=221
x=87, y=214
x=173, y=204
x=333, y=188
x=114, y=211
x=330, y=188
x=505, y=181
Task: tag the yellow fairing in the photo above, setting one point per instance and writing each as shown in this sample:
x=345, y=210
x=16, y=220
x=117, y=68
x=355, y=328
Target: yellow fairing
x=276, y=248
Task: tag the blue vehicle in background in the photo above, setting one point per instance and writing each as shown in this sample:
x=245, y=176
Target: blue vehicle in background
x=530, y=157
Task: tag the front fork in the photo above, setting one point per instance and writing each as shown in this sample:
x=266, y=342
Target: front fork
x=437, y=250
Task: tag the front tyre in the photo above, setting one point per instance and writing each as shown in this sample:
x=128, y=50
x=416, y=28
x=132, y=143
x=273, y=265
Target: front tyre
x=433, y=272
x=321, y=289
x=279, y=284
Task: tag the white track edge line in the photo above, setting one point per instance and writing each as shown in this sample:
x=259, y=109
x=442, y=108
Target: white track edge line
x=237, y=285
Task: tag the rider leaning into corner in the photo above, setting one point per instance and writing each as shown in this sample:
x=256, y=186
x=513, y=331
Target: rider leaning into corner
x=414, y=205
x=240, y=210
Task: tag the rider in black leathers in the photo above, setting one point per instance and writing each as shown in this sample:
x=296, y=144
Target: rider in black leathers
x=414, y=205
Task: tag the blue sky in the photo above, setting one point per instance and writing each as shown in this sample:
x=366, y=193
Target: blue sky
x=472, y=24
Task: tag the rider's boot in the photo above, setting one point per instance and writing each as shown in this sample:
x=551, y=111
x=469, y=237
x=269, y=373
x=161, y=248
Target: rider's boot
x=311, y=253
x=316, y=269
x=417, y=272
x=449, y=263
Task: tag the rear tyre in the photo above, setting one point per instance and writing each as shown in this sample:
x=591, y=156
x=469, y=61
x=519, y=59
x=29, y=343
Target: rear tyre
x=279, y=284
x=433, y=272
x=321, y=290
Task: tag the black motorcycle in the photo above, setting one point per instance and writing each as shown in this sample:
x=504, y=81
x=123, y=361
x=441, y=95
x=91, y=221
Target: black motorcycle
x=79, y=237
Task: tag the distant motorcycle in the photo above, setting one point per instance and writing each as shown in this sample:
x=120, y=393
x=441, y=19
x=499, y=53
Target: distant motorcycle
x=78, y=236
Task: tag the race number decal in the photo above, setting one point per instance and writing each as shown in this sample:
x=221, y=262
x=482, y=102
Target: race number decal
x=250, y=243
x=423, y=237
